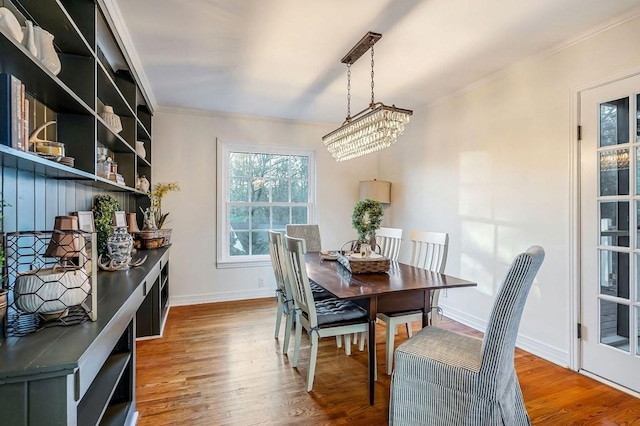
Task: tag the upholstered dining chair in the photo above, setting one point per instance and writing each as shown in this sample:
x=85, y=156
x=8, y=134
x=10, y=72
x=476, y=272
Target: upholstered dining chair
x=428, y=251
x=322, y=318
x=311, y=236
x=447, y=378
x=309, y=233
x=284, y=295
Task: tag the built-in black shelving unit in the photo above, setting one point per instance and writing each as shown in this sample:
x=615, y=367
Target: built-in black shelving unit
x=82, y=374
x=90, y=79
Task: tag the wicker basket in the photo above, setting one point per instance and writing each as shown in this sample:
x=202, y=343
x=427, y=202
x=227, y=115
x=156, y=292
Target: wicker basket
x=154, y=238
x=374, y=264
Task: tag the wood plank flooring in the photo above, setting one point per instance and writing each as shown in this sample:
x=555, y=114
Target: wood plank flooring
x=219, y=364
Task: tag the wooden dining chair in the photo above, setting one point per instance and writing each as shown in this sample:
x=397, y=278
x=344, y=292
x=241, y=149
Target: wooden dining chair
x=388, y=242
x=428, y=251
x=447, y=378
x=284, y=295
x=321, y=318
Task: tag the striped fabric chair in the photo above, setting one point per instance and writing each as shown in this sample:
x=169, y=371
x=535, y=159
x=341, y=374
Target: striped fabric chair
x=446, y=378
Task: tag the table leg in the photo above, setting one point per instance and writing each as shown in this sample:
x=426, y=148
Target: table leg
x=373, y=311
x=427, y=308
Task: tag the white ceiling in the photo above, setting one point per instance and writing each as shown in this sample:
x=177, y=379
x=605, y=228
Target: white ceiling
x=281, y=58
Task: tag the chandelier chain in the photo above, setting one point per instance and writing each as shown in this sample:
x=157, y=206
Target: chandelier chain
x=348, y=91
x=372, y=97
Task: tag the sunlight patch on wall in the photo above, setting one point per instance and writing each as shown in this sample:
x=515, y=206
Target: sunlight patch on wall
x=477, y=254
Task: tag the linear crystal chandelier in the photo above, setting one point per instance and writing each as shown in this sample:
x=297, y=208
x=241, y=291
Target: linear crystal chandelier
x=372, y=129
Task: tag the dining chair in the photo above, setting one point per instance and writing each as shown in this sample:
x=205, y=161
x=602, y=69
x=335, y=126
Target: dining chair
x=447, y=378
x=311, y=236
x=321, y=318
x=428, y=251
x=284, y=295
x=388, y=242
x=309, y=233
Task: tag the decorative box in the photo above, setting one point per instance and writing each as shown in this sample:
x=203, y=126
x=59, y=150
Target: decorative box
x=358, y=264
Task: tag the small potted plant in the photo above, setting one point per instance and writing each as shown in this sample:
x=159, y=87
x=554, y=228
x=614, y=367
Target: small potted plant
x=366, y=220
x=155, y=219
x=103, y=208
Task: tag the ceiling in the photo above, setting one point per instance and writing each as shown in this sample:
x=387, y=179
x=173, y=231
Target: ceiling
x=281, y=58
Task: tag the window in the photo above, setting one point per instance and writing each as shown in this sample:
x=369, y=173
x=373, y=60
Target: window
x=260, y=188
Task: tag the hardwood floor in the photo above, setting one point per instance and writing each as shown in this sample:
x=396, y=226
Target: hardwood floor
x=218, y=364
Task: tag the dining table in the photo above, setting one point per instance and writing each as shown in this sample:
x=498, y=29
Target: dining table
x=403, y=287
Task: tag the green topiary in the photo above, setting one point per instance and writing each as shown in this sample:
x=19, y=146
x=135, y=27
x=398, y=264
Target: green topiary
x=366, y=218
x=103, y=208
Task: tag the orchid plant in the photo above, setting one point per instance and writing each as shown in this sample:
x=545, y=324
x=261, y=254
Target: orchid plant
x=159, y=191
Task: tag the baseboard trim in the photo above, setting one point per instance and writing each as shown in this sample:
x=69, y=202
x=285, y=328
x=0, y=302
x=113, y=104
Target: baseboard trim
x=534, y=346
x=199, y=299
x=608, y=383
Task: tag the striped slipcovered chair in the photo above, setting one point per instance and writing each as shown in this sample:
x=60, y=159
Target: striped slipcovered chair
x=446, y=378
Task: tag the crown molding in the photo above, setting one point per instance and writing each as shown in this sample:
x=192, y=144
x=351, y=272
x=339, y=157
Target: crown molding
x=114, y=18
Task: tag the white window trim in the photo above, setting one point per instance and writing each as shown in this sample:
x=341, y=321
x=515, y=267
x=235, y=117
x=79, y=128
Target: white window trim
x=223, y=150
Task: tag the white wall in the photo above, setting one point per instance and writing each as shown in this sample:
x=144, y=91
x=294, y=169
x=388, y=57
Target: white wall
x=492, y=167
x=184, y=150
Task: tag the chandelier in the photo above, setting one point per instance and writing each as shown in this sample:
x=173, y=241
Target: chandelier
x=372, y=129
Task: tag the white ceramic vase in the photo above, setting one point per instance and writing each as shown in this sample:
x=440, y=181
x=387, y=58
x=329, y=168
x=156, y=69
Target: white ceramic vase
x=144, y=184
x=29, y=39
x=9, y=25
x=140, y=149
x=46, y=52
x=112, y=120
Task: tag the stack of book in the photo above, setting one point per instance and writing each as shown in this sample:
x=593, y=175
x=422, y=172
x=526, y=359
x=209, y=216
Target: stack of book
x=14, y=113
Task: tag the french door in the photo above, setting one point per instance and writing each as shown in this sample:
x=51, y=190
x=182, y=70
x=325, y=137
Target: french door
x=610, y=220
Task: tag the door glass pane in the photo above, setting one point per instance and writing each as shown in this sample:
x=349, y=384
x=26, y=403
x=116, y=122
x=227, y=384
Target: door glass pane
x=614, y=273
x=614, y=325
x=614, y=122
x=614, y=172
x=638, y=329
x=614, y=223
x=637, y=118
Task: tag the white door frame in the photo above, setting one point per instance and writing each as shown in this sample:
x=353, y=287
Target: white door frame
x=574, y=220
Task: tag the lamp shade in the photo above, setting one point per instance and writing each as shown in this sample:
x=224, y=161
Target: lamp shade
x=378, y=190
x=65, y=241
x=132, y=223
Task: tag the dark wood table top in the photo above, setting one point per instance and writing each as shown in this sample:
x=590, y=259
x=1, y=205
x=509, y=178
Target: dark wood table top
x=400, y=278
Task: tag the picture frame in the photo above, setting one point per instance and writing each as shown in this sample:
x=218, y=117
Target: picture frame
x=85, y=221
x=119, y=219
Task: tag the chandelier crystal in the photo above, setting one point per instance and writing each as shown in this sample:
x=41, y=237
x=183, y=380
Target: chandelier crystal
x=376, y=127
